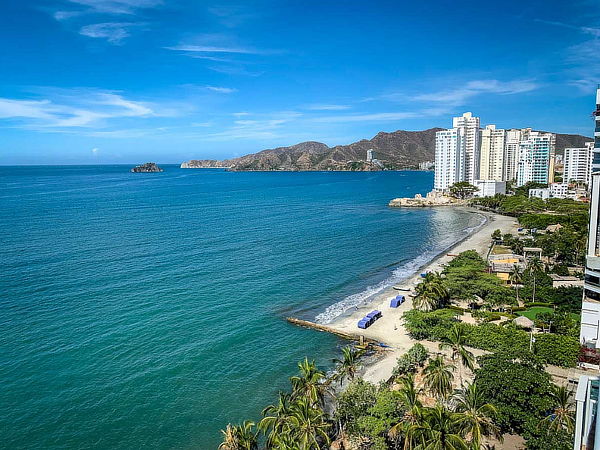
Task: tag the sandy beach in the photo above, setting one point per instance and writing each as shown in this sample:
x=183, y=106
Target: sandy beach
x=389, y=329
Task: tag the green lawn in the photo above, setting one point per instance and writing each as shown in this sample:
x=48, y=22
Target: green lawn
x=532, y=312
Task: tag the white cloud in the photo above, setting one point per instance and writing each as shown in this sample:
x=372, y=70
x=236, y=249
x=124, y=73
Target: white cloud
x=262, y=128
x=72, y=109
x=327, y=107
x=113, y=32
x=117, y=6
x=212, y=49
x=594, y=31
x=95, y=150
x=474, y=88
x=221, y=90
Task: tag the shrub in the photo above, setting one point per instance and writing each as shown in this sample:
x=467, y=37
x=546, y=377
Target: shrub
x=411, y=360
x=557, y=349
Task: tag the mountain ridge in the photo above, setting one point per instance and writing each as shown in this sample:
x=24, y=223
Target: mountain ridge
x=398, y=149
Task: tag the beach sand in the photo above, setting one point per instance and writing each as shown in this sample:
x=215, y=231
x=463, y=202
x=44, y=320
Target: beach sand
x=389, y=329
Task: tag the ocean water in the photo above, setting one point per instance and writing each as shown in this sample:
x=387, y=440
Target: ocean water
x=148, y=310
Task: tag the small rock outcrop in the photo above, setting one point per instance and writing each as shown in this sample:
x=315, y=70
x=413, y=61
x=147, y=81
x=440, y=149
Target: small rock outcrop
x=146, y=168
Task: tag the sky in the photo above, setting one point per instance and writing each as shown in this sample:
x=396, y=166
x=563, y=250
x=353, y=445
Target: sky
x=130, y=81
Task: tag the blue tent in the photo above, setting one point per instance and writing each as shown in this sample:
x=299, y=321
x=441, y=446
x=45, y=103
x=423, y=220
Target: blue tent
x=374, y=315
x=397, y=301
x=364, y=323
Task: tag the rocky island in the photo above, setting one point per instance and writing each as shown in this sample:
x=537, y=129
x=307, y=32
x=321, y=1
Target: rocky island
x=146, y=168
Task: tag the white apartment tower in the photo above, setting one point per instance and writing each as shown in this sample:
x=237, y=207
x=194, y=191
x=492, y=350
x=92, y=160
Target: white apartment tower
x=491, y=165
x=590, y=307
x=536, y=156
x=578, y=164
x=449, y=158
x=469, y=127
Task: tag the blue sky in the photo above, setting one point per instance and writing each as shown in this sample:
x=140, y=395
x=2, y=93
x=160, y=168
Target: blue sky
x=127, y=81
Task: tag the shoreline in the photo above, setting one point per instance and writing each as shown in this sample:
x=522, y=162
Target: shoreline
x=487, y=216
x=389, y=329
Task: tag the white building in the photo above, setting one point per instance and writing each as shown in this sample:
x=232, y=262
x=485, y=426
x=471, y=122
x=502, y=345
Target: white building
x=491, y=165
x=586, y=415
x=511, y=151
x=560, y=190
x=578, y=164
x=489, y=188
x=426, y=165
x=536, y=158
x=469, y=127
x=370, y=155
x=449, y=158
x=590, y=307
x=543, y=193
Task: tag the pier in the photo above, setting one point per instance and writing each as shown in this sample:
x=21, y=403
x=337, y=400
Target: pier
x=350, y=336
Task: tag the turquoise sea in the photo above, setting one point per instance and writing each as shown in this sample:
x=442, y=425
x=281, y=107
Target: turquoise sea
x=148, y=310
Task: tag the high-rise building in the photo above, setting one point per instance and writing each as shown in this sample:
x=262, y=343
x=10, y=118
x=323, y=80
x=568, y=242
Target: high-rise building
x=590, y=307
x=469, y=127
x=511, y=151
x=578, y=164
x=536, y=157
x=491, y=165
x=449, y=158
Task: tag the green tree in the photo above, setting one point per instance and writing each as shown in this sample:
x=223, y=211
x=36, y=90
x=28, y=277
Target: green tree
x=477, y=416
x=431, y=293
x=239, y=437
x=308, y=425
x=275, y=419
x=516, y=277
x=409, y=396
x=462, y=189
x=518, y=386
x=348, y=365
x=497, y=235
x=535, y=266
x=563, y=415
x=440, y=429
x=438, y=377
x=308, y=383
x=456, y=341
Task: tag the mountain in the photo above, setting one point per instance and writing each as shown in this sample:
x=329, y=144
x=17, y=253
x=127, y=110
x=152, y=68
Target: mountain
x=397, y=150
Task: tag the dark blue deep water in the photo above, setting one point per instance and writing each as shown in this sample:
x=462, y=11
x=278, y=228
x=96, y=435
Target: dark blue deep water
x=147, y=310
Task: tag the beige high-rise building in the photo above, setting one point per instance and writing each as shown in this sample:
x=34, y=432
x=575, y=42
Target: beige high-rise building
x=468, y=127
x=492, y=154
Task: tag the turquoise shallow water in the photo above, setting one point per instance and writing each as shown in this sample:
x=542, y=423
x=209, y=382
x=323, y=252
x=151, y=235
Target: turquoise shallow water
x=147, y=310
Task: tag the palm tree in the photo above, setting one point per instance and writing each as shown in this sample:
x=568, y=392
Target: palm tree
x=275, y=418
x=239, y=437
x=563, y=416
x=348, y=365
x=308, y=425
x=438, y=377
x=409, y=396
x=477, y=416
x=456, y=340
x=515, y=277
x=431, y=293
x=308, y=383
x=439, y=430
x=535, y=266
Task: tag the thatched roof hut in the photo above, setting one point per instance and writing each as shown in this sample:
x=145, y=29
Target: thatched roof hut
x=523, y=322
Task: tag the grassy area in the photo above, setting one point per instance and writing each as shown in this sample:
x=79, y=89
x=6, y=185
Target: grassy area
x=501, y=250
x=532, y=312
